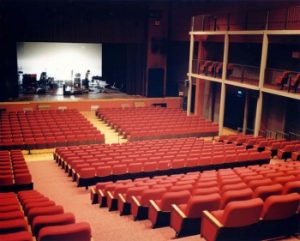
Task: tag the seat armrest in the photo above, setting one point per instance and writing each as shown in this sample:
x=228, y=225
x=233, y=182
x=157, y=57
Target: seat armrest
x=212, y=219
x=154, y=205
x=178, y=211
x=92, y=190
x=110, y=195
x=100, y=193
x=121, y=197
x=136, y=201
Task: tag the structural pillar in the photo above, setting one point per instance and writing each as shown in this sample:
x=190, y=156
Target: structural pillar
x=263, y=64
x=189, y=100
x=223, y=87
x=245, y=120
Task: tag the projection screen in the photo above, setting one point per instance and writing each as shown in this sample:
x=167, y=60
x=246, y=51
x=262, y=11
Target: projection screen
x=62, y=61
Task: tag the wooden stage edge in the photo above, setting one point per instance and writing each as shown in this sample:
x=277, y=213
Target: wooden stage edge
x=90, y=104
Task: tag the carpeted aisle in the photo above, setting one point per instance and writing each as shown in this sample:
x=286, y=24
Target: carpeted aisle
x=52, y=181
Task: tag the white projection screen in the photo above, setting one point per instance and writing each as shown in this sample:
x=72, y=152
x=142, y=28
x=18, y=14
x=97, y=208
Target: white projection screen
x=59, y=60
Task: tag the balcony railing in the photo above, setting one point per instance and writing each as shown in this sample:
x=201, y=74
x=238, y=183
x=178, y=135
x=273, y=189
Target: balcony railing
x=272, y=19
x=286, y=80
x=244, y=73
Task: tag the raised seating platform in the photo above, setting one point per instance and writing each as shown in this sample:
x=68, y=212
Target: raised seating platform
x=46, y=129
x=14, y=173
x=156, y=123
x=89, y=164
x=179, y=200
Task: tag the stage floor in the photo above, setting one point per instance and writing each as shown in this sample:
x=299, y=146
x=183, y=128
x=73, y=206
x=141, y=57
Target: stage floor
x=57, y=95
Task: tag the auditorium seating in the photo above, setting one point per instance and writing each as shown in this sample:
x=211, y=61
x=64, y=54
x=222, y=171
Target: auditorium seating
x=92, y=163
x=280, y=147
x=155, y=123
x=46, y=129
x=46, y=219
x=234, y=222
x=283, y=79
x=179, y=199
x=286, y=151
x=14, y=173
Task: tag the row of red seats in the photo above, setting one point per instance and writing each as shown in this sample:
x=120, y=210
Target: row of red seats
x=114, y=161
x=46, y=219
x=30, y=130
x=281, y=147
x=288, y=149
x=51, y=141
x=152, y=122
x=14, y=172
x=179, y=200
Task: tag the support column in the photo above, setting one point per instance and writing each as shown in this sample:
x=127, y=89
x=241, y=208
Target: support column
x=223, y=87
x=189, y=100
x=263, y=64
x=245, y=120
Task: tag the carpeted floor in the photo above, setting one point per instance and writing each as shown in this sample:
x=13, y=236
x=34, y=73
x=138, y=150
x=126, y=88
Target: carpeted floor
x=107, y=226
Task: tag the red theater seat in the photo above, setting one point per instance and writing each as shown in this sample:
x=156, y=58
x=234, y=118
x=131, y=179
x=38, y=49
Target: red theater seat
x=236, y=195
x=11, y=215
x=140, y=204
x=51, y=220
x=291, y=187
x=279, y=216
x=264, y=192
x=69, y=232
x=232, y=223
x=38, y=211
x=186, y=218
x=13, y=225
x=160, y=210
x=17, y=236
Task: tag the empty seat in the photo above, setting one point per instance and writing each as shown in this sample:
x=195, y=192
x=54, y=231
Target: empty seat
x=51, y=220
x=160, y=210
x=38, y=211
x=264, y=192
x=16, y=236
x=125, y=199
x=235, y=195
x=30, y=205
x=140, y=204
x=69, y=232
x=186, y=218
x=291, y=187
x=279, y=216
x=232, y=223
x=11, y=215
x=13, y=225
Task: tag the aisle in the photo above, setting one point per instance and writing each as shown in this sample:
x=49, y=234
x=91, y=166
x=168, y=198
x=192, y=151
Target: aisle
x=111, y=136
x=50, y=180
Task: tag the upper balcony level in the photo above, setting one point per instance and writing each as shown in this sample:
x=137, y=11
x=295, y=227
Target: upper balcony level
x=287, y=18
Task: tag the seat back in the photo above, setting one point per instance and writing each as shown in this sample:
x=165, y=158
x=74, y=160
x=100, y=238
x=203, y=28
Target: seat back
x=281, y=206
x=197, y=204
x=151, y=194
x=291, y=187
x=69, y=232
x=236, y=195
x=242, y=213
x=170, y=198
x=264, y=192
